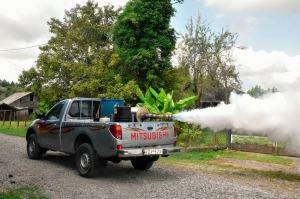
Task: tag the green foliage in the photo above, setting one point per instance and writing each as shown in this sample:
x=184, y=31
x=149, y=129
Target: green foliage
x=27, y=192
x=8, y=88
x=162, y=102
x=4, y=83
x=258, y=92
x=79, y=60
x=205, y=58
x=43, y=106
x=116, y=89
x=255, y=140
x=144, y=41
x=187, y=133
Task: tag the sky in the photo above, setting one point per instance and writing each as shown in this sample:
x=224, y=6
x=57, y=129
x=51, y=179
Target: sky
x=269, y=29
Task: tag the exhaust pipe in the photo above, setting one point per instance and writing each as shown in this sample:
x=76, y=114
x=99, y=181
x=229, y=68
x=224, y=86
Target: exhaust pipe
x=142, y=114
x=156, y=116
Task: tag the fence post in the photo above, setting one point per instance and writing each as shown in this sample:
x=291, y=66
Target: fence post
x=215, y=139
x=275, y=149
x=228, y=138
x=4, y=115
x=18, y=118
x=10, y=118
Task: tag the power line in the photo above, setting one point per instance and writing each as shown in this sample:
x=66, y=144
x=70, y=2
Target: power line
x=22, y=48
x=11, y=62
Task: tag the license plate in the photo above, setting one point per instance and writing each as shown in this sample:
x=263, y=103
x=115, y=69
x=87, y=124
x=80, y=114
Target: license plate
x=153, y=151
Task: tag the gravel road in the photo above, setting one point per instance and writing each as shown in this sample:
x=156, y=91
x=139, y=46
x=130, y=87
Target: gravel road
x=56, y=176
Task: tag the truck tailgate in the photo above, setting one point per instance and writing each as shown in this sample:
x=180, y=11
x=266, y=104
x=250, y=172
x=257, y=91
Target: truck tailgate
x=147, y=134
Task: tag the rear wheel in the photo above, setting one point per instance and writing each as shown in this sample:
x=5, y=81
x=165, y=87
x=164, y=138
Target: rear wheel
x=86, y=159
x=34, y=150
x=142, y=164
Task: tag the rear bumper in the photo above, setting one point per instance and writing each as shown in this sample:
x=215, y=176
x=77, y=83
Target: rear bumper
x=138, y=152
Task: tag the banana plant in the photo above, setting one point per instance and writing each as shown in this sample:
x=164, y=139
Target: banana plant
x=162, y=102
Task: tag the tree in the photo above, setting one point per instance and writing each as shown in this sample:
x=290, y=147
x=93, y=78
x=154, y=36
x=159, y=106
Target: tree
x=144, y=41
x=225, y=64
x=9, y=88
x=205, y=58
x=258, y=92
x=193, y=56
x=79, y=59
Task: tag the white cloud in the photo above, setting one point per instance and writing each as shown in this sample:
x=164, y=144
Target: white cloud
x=252, y=21
x=220, y=16
x=23, y=24
x=275, y=69
x=285, y=7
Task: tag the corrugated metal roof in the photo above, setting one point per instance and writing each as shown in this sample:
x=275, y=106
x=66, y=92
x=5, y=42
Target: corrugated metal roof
x=9, y=100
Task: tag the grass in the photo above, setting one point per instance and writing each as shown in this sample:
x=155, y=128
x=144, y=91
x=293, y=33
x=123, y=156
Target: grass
x=196, y=160
x=21, y=132
x=14, y=129
x=254, y=140
x=210, y=155
x=21, y=193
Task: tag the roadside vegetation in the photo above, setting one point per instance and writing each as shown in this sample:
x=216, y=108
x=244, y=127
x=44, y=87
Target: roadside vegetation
x=14, y=128
x=28, y=192
x=254, y=140
x=208, y=162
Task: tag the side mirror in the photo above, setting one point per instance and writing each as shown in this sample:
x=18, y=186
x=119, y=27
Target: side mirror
x=41, y=115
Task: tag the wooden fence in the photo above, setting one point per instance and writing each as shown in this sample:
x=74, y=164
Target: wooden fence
x=8, y=117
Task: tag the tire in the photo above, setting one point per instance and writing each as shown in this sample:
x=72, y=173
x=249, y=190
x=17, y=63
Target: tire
x=86, y=159
x=34, y=150
x=142, y=164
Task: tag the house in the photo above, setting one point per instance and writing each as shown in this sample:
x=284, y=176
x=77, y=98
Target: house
x=18, y=106
x=209, y=99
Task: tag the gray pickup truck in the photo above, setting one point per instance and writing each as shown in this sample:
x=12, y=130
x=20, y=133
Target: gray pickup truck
x=102, y=130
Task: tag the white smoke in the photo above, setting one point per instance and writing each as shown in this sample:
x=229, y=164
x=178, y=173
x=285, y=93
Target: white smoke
x=276, y=116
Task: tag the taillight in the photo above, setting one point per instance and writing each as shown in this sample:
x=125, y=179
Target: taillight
x=116, y=131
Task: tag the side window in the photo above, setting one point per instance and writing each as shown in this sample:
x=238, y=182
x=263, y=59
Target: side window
x=55, y=112
x=74, y=110
x=86, y=109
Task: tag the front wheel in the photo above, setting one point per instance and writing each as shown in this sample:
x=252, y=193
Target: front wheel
x=86, y=160
x=142, y=164
x=34, y=151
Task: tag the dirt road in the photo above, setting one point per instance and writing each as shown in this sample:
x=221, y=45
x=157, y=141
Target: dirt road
x=56, y=176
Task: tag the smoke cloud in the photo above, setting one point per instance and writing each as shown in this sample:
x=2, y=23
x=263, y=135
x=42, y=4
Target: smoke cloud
x=276, y=116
